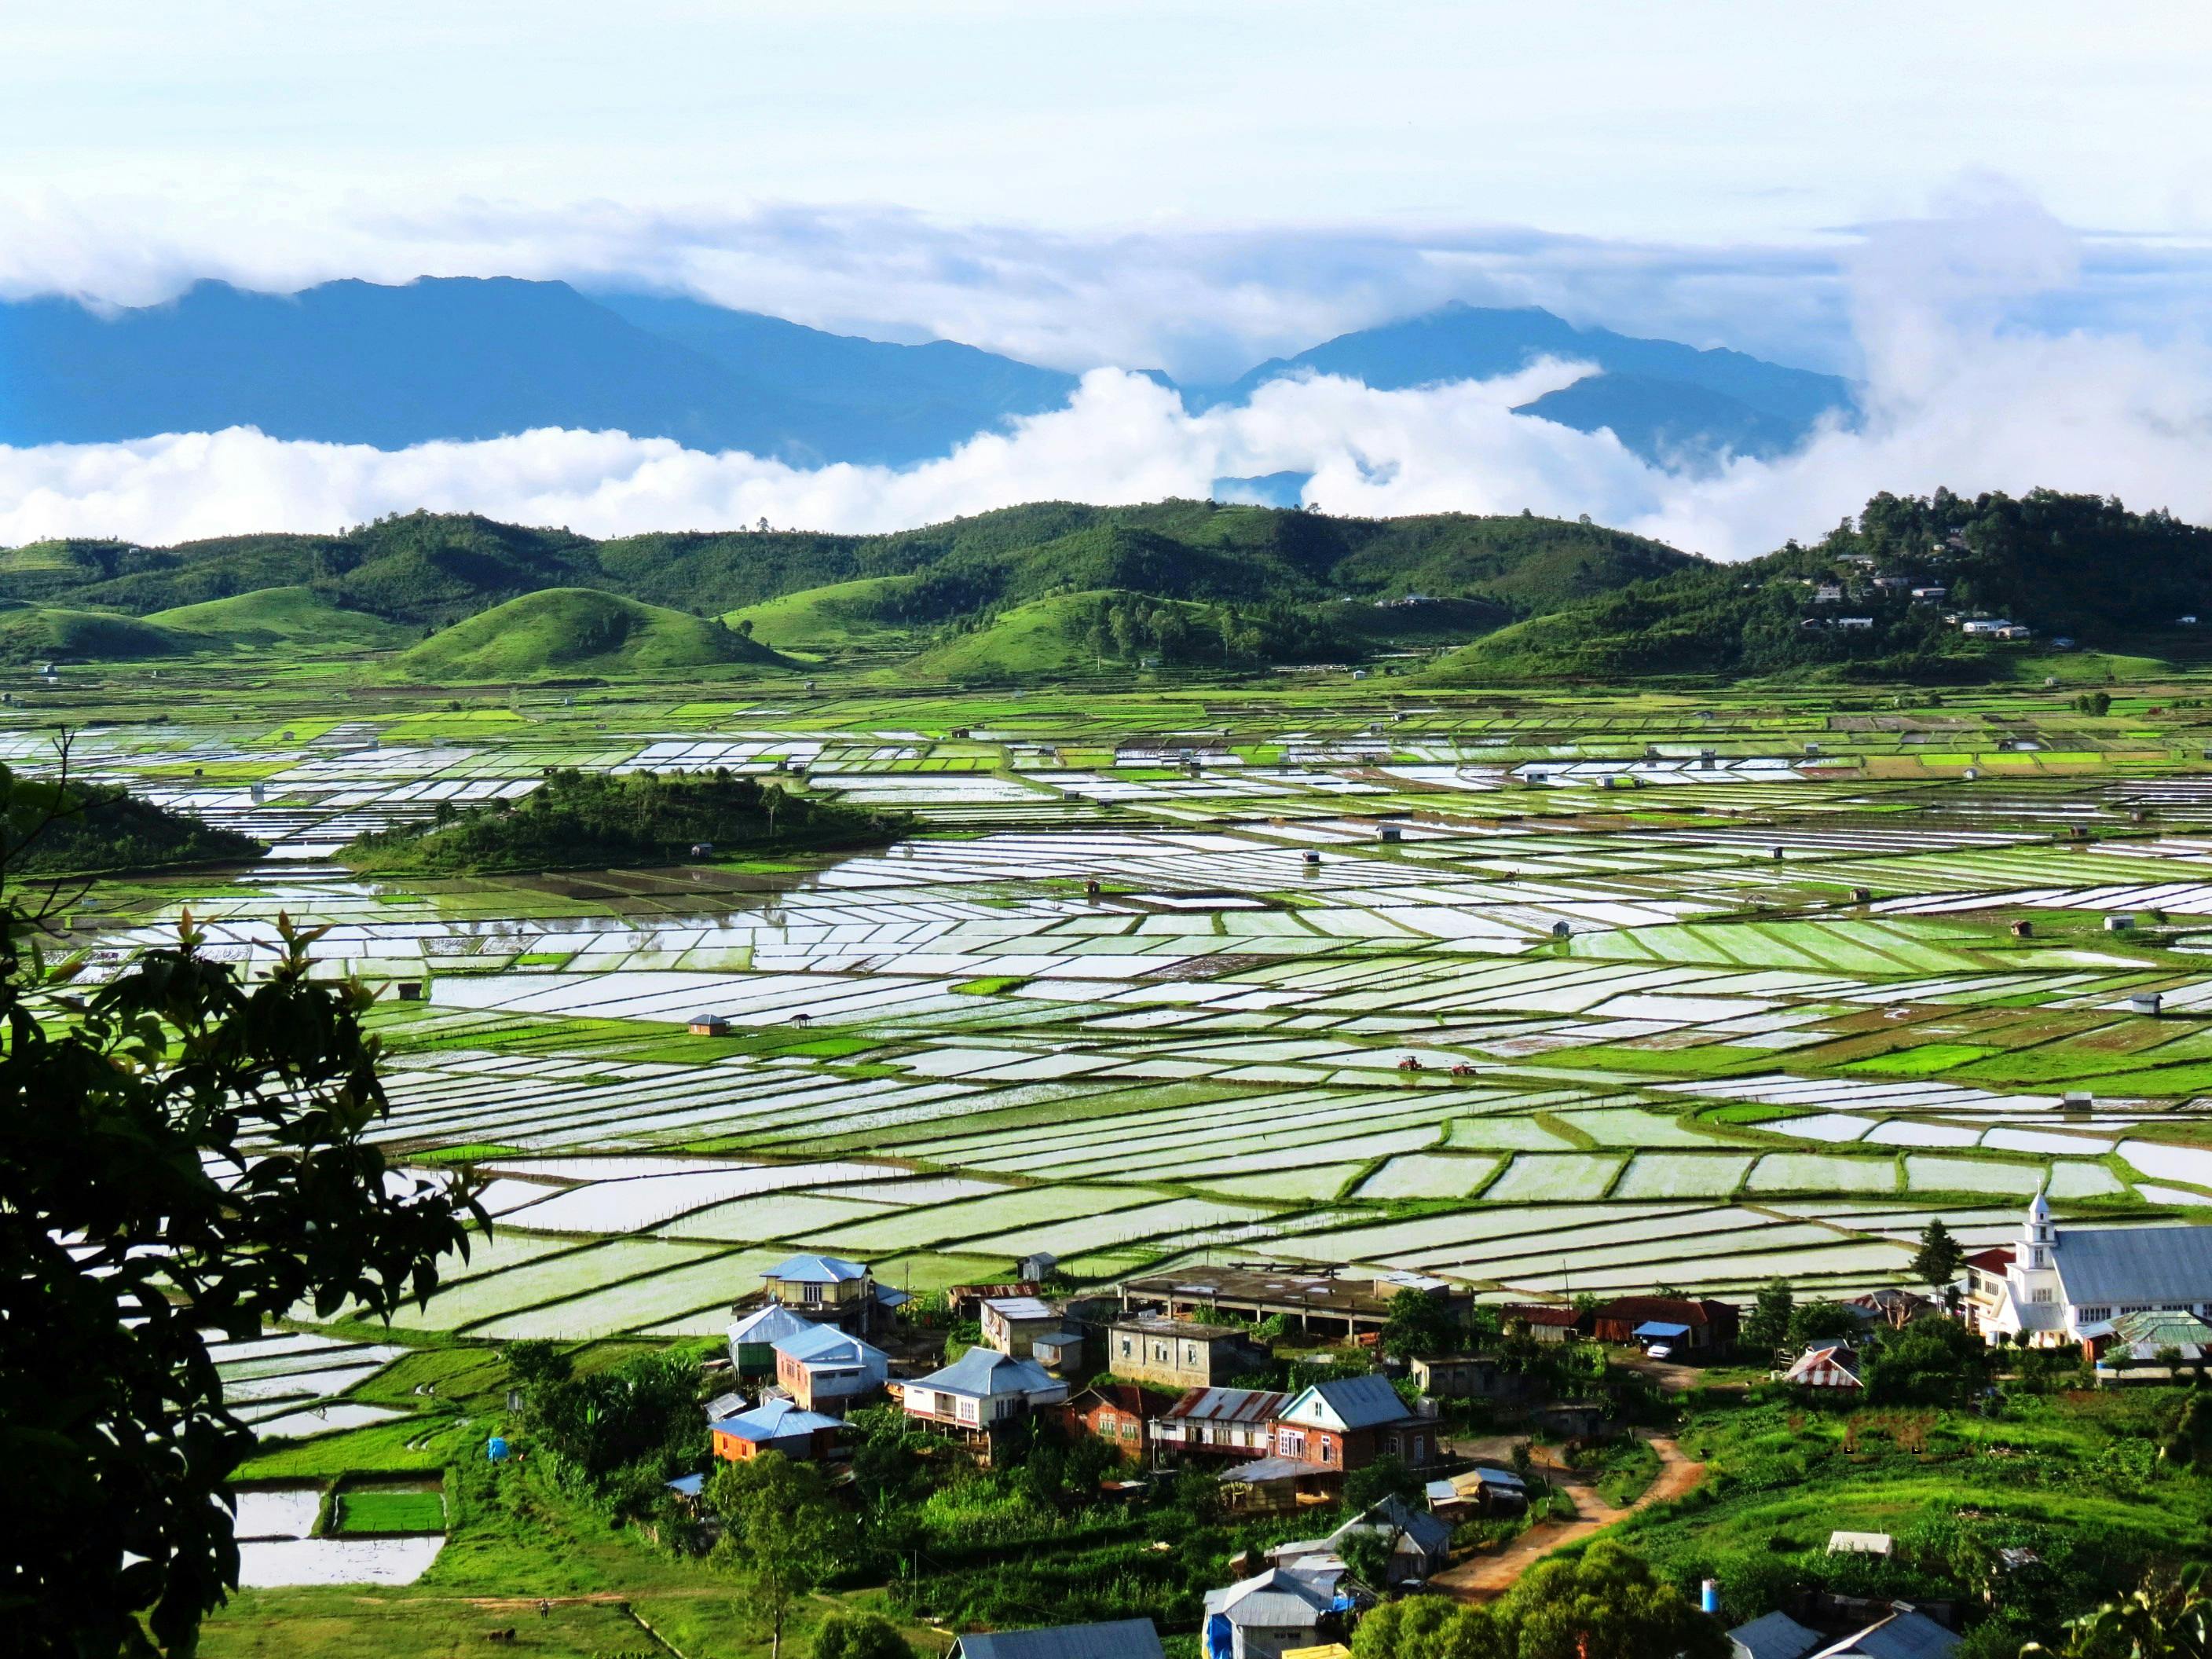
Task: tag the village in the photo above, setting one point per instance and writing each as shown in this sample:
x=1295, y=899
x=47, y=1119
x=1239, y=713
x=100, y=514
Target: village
x=1366, y=1440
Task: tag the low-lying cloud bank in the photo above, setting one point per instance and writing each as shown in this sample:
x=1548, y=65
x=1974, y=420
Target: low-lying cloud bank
x=1973, y=411
x=1954, y=395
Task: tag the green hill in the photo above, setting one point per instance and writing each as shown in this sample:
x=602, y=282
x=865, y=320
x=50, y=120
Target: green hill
x=435, y=568
x=294, y=615
x=1105, y=629
x=576, y=631
x=2077, y=568
x=38, y=632
x=872, y=614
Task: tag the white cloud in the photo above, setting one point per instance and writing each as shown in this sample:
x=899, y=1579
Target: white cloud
x=1955, y=397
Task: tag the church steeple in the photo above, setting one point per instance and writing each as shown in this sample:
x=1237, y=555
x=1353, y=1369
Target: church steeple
x=2038, y=1238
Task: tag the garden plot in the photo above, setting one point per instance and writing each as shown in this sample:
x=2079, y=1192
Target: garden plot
x=709, y=1287
x=1561, y=1177
x=2162, y=1162
x=571, y=1273
x=979, y=1217
x=275, y=1564
x=1967, y=1174
x=1427, y=1174
x=1801, y=1172
x=643, y=1201
x=1171, y=1222
x=772, y=1215
x=1683, y=1175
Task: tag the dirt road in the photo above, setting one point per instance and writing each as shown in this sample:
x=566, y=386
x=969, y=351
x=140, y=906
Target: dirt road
x=1485, y=1577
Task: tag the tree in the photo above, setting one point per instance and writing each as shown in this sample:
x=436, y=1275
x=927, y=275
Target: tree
x=1607, y=1604
x=1940, y=1258
x=1387, y=1476
x=1767, y=1330
x=1366, y=1555
x=780, y=1534
x=1823, y=1322
x=1934, y=1362
x=859, y=1635
x=181, y=1154
x=1419, y=1327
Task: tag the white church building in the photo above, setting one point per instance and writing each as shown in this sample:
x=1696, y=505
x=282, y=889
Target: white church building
x=2067, y=1285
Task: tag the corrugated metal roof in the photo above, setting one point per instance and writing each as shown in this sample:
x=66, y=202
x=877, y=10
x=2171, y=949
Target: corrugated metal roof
x=826, y=1345
x=815, y=1270
x=2134, y=1264
x=1776, y=1636
x=1228, y=1405
x=1020, y=1308
x=1276, y=1600
x=1121, y=1638
x=985, y=1372
x=1905, y=1634
x=770, y=1324
x=1349, y=1402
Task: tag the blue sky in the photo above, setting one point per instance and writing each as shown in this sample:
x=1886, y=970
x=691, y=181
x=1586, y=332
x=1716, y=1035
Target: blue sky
x=1192, y=186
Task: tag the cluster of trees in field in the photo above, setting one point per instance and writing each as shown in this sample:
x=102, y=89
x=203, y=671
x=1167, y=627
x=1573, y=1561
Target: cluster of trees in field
x=577, y=819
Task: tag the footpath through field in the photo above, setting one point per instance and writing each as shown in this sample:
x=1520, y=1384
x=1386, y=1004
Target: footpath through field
x=1487, y=1576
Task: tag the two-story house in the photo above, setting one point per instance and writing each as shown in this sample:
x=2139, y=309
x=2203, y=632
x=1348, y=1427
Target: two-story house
x=1235, y=1423
x=1012, y=1324
x=829, y=1371
x=1179, y=1353
x=1347, y=1423
x=830, y=1289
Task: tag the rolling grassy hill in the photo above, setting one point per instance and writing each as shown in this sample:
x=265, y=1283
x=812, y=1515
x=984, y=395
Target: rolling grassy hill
x=576, y=631
x=1042, y=637
x=435, y=568
x=37, y=633
x=288, y=616
x=874, y=613
x=2079, y=567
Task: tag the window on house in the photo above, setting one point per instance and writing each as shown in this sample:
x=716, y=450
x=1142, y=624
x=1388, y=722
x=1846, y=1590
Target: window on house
x=2089, y=1314
x=810, y=1294
x=1324, y=1449
x=1392, y=1442
x=1290, y=1444
x=966, y=1412
x=2043, y=1294
x=1127, y=1348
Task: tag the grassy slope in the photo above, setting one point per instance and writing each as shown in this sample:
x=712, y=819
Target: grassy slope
x=32, y=632
x=1044, y=636
x=290, y=616
x=572, y=631
x=862, y=615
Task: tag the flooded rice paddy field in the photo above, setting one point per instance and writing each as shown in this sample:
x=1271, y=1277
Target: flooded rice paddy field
x=1593, y=994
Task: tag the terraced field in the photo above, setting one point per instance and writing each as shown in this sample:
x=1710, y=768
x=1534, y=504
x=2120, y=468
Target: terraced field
x=1522, y=994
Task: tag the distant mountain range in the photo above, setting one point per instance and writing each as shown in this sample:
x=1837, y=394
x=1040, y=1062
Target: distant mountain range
x=465, y=358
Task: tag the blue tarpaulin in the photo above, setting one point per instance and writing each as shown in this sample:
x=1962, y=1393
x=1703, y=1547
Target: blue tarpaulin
x=1652, y=1331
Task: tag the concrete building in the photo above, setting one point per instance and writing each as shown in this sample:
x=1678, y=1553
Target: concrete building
x=1179, y=1353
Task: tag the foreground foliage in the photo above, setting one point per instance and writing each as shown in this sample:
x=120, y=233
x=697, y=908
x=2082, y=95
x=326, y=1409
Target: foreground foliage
x=181, y=1154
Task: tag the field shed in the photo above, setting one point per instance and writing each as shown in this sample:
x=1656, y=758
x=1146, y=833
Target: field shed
x=1833, y=1367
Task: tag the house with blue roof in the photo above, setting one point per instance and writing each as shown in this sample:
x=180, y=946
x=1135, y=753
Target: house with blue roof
x=982, y=1392
x=1348, y=1422
x=776, y=1425
x=829, y=1371
x=829, y=1289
